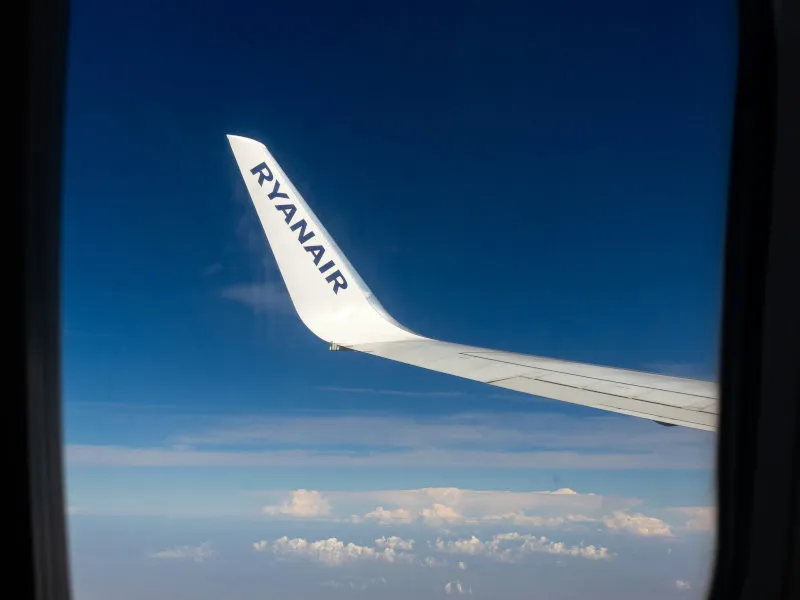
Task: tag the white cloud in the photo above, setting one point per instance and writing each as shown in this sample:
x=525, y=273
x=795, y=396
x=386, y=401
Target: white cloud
x=512, y=546
x=437, y=506
x=196, y=553
x=85, y=455
x=439, y=514
x=698, y=518
x=564, y=508
x=456, y=587
x=519, y=518
x=331, y=551
x=564, y=492
x=394, y=542
x=638, y=524
x=682, y=585
x=462, y=565
x=472, y=546
x=386, y=517
x=302, y=504
x=475, y=440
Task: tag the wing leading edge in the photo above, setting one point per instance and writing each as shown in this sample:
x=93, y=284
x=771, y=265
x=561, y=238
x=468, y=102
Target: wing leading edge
x=337, y=306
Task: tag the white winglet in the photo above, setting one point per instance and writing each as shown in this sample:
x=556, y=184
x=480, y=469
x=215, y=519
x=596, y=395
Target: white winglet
x=328, y=294
x=336, y=304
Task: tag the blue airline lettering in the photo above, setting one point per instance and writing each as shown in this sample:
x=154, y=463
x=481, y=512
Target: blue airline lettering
x=288, y=211
x=317, y=251
x=302, y=237
x=336, y=278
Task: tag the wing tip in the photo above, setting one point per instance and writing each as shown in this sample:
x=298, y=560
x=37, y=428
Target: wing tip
x=242, y=140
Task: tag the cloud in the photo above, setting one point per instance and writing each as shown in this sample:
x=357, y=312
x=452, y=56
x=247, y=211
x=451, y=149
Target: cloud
x=563, y=492
x=196, y=553
x=302, y=504
x=698, y=518
x=261, y=297
x=638, y=524
x=474, y=440
x=438, y=507
x=505, y=547
x=455, y=504
x=83, y=455
x=456, y=587
x=439, y=514
x=472, y=546
x=682, y=585
x=386, y=517
x=519, y=518
x=513, y=546
x=395, y=543
x=332, y=551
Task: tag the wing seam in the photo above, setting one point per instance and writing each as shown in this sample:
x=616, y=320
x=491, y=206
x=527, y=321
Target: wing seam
x=646, y=387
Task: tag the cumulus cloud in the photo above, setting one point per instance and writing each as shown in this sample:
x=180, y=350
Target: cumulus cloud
x=395, y=543
x=682, y=585
x=512, y=546
x=456, y=587
x=698, y=518
x=439, y=514
x=333, y=551
x=638, y=524
x=196, y=553
x=454, y=506
x=386, y=517
x=519, y=518
x=506, y=547
x=302, y=504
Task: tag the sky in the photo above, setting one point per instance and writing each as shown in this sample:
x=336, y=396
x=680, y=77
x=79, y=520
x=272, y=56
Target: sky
x=544, y=178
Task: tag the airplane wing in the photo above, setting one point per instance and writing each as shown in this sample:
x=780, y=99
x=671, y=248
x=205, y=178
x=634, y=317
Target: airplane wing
x=336, y=305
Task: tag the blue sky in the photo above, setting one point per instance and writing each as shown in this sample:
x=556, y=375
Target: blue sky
x=543, y=179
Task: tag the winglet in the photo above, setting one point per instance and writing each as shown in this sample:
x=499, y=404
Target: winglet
x=330, y=297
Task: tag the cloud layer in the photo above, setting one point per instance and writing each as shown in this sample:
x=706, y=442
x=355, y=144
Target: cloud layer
x=505, y=547
x=475, y=440
x=332, y=551
x=447, y=507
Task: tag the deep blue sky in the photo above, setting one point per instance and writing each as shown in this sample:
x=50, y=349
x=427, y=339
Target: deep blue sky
x=548, y=179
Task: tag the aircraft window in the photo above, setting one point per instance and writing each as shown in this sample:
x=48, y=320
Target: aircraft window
x=534, y=194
